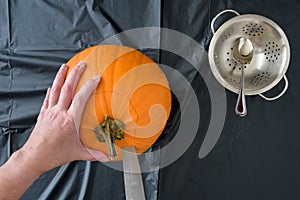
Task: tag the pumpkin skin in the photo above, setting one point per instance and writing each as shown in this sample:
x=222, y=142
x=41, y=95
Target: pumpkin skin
x=133, y=89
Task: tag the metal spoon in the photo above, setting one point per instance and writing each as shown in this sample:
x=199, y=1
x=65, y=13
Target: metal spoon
x=242, y=53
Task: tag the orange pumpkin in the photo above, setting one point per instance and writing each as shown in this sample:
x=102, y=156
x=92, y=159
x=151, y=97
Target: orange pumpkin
x=133, y=91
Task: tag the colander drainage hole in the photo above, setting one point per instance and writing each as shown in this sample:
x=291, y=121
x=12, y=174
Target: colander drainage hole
x=260, y=79
x=253, y=29
x=272, y=51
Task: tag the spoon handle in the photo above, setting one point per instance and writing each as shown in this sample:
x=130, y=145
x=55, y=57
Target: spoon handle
x=241, y=107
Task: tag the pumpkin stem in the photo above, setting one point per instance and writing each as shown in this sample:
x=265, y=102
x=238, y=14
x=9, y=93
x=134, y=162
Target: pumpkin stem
x=108, y=131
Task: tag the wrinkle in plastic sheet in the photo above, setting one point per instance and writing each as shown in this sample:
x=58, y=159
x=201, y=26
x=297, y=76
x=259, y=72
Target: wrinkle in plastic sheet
x=256, y=157
x=35, y=38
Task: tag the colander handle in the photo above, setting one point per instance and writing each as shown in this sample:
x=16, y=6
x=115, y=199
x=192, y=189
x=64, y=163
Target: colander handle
x=279, y=95
x=218, y=15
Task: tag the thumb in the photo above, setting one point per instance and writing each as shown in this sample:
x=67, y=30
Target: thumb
x=95, y=155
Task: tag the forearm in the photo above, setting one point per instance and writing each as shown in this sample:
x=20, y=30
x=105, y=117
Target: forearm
x=16, y=175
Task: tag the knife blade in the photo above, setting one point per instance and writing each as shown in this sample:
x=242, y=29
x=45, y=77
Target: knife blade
x=134, y=188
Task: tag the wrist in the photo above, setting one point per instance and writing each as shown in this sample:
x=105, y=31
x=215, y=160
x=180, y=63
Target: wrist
x=33, y=160
x=37, y=155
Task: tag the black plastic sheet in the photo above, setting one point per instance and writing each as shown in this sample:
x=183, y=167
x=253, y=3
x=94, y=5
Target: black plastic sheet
x=256, y=157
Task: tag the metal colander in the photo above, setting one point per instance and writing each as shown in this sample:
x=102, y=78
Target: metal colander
x=271, y=54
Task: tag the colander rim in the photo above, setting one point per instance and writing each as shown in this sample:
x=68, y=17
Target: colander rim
x=218, y=34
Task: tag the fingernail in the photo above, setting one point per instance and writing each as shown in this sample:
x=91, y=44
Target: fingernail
x=104, y=159
x=63, y=67
x=98, y=155
x=81, y=64
x=96, y=78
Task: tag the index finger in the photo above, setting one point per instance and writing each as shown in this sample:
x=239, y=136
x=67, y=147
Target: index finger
x=81, y=98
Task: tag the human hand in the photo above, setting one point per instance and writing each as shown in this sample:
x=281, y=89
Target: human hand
x=55, y=140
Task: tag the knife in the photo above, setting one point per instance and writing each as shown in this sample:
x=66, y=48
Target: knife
x=134, y=188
